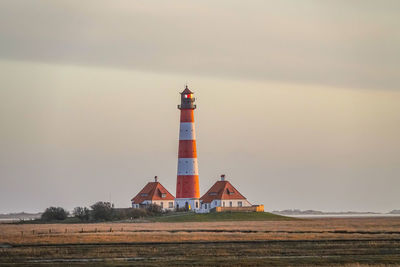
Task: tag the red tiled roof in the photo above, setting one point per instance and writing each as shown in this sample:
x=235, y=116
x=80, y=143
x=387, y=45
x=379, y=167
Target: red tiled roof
x=152, y=191
x=221, y=190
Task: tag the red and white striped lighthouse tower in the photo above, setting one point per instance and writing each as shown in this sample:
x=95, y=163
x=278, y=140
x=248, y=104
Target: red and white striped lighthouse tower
x=187, y=184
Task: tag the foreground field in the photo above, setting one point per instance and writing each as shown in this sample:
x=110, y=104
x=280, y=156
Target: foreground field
x=236, y=253
x=299, y=242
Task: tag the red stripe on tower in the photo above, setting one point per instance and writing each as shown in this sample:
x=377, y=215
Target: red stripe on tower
x=187, y=185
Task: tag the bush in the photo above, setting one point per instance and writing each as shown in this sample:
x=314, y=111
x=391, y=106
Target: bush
x=154, y=209
x=181, y=209
x=136, y=213
x=82, y=213
x=102, y=211
x=54, y=213
x=129, y=213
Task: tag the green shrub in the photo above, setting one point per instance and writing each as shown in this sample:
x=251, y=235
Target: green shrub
x=82, y=213
x=154, y=209
x=129, y=213
x=54, y=214
x=102, y=211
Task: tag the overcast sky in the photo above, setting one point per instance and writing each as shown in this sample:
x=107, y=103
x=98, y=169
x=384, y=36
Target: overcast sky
x=298, y=101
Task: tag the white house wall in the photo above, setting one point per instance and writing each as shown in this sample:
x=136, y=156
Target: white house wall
x=220, y=203
x=165, y=204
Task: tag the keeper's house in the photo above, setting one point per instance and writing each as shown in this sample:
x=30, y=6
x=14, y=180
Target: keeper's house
x=223, y=196
x=154, y=193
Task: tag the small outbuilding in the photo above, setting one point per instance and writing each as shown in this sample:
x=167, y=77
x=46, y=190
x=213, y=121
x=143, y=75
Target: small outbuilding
x=223, y=196
x=154, y=193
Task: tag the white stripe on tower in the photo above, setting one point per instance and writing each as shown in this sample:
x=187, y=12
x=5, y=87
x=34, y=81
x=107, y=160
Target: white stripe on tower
x=187, y=131
x=188, y=166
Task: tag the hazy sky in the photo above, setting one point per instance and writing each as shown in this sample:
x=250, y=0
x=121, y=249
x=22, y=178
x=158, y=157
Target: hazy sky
x=298, y=101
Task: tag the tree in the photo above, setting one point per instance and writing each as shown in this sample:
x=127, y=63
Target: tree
x=102, y=211
x=54, y=213
x=82, y=213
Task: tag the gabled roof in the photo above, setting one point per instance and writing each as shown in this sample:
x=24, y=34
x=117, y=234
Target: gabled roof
x=221, y=190
x=152, y=191
x=187, y=91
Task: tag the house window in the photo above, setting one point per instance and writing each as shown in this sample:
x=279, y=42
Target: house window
x=223, y=204
x=230, y=203
x=171, y=205
x=162, y=204
x=205, y=206
x=163, y=195
x=239, y=203
x=229, y=192
x=197, y=205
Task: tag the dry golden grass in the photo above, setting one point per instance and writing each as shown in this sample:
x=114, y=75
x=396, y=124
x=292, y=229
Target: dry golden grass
x=136, y=232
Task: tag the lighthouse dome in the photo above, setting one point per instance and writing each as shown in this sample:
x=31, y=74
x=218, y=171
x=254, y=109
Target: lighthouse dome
x=187, y=91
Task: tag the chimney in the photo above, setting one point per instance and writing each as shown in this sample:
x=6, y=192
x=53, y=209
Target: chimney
x=222, y=177
x=155, y=179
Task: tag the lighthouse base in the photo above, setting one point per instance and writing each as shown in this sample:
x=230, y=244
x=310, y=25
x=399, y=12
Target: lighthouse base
x=187, y=203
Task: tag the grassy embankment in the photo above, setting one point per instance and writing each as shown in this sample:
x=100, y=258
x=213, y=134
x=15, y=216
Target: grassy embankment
x=219, y=216
x=180, y=217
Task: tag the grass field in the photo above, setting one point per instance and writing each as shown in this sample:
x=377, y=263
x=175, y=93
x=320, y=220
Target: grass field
x=338, y=241
x=220, y=216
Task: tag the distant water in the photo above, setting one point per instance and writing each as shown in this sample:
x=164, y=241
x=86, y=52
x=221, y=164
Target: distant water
x=7, y=220
x=361, y=215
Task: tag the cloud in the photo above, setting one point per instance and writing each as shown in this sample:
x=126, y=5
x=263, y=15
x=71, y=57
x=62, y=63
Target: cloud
x=331, y=43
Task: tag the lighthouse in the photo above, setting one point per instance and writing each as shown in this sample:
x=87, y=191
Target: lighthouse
x=187, y=184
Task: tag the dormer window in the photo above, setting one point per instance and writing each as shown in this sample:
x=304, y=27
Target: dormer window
x=229, y=192
x=163, y=195
x=143, y=194
x=213, y=193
